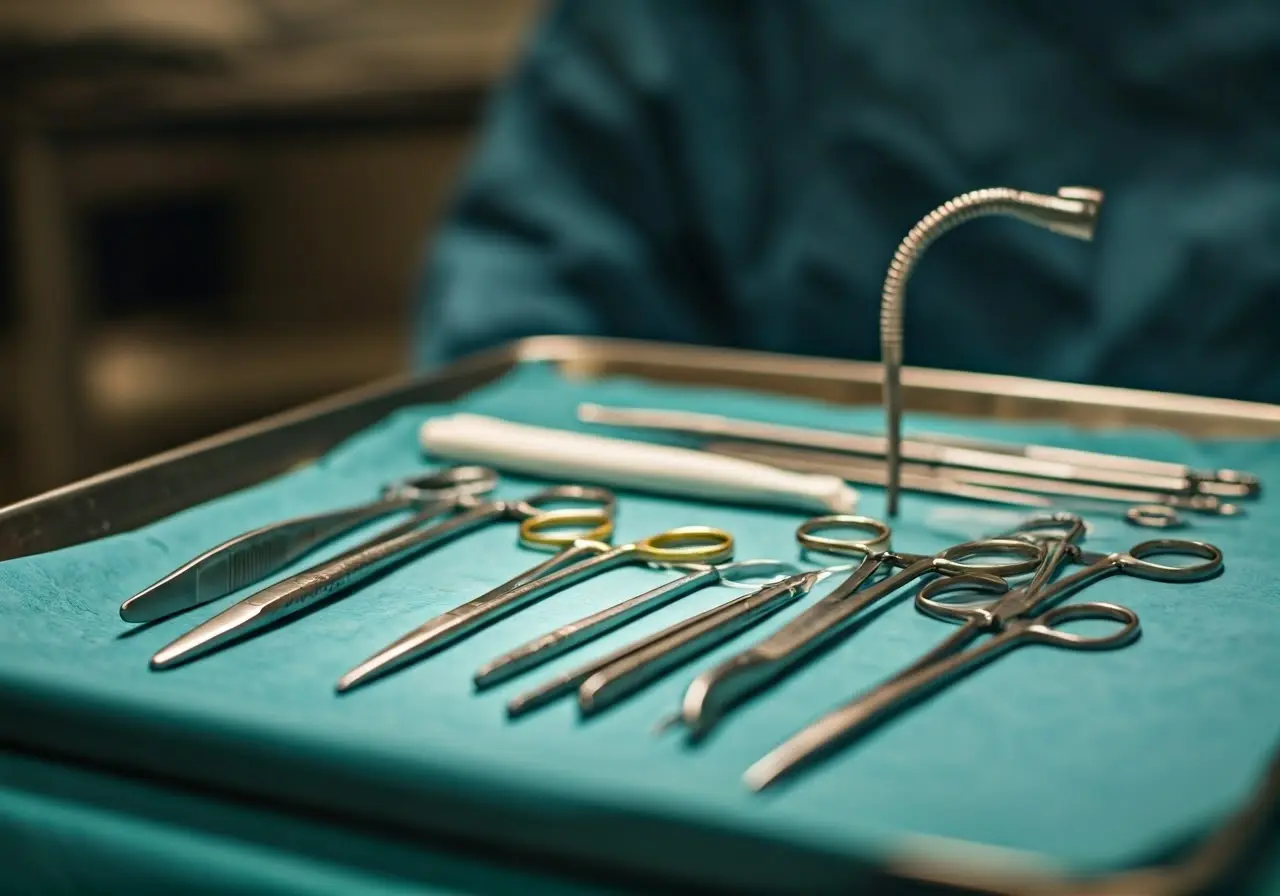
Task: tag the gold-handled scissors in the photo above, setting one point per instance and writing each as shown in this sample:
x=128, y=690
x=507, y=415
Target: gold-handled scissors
x=688, y=544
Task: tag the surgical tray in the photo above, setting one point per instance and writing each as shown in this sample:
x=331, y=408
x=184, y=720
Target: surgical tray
x=140, y=493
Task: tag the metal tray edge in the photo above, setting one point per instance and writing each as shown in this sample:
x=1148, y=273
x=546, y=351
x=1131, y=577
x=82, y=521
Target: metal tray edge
x=81, y=508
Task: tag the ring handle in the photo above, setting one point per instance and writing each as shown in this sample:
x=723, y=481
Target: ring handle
x=755, y=573
x=950, y=561
x=1154, y=516
x=992, y=586
x=1045, y=628
x=879, y=535
x=1136, y=562
x=467, y=480
x=687, y=544
x=573, y=495
x=541, y=531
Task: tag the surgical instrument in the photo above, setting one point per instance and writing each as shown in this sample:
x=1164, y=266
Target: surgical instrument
x=714, y=692
x=688, y=544
x=1044, y=463
x=1012, y=625
x=574, y=634
x=325, y=580
x=253, y=556
x=604, y=680
x=1223, y=482
x=1072, y=212
x=1153, y=509
x=623, y=463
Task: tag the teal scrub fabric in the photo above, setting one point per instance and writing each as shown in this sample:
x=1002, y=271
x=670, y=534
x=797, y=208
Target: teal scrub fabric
x=71, y=830
x=740, y=173
x=1057, y=759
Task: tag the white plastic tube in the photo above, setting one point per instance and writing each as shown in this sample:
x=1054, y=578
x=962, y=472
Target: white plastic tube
x=641, y=466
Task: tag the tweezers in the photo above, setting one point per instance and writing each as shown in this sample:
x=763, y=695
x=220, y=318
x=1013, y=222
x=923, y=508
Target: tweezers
x=251, y=557
x=605, y=681
x=575, y=634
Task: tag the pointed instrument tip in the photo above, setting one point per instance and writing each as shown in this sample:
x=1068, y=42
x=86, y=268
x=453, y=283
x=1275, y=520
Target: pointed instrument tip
x=165, y=598
x=764, y=773
x=229, y=625
x=366, y=672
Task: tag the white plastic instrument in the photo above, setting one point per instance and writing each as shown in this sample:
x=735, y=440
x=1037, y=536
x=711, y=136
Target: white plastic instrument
x=620, y=463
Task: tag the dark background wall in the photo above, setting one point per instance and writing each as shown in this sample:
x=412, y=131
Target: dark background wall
x=214, y=210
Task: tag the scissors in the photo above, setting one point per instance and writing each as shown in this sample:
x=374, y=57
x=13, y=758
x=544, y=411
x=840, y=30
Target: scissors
x=327, y=579
x=574, y=634
x=1015, y=620
x=603, y=682
x=687, y=544
x=714, y=692
x=253, y=556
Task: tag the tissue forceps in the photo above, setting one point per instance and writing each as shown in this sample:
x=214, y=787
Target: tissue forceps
x=256, y=554
x=714, y=692
x=574, y=634
x=324, y=580
x=1011, y=621
x=602, y=682
x=687, y=544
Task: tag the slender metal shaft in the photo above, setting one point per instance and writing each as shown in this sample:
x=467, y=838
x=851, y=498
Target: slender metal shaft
x=1073, y=212
x=629, y=673
x=439, y=632
x=318, y=583
x=568, y=637
x=569, y=681
x=838, y=728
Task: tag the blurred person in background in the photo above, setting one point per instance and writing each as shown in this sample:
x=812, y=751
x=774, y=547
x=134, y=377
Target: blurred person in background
x=739, y=174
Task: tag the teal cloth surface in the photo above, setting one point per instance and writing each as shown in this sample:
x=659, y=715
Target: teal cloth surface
x=1071, y=760
x=739, y=173
x=70, y=830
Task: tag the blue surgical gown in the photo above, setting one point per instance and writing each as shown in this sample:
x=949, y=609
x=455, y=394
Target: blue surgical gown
x=739, y=174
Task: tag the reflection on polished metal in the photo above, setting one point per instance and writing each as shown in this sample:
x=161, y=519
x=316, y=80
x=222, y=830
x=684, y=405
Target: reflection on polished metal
x=253, y=556
x=326, y=580
x=1030, y=461
x=574, y=634
x=604, y=681
x=1012, y=620
x=1073, y=212
x=1148, y=508
x=713, y=693
x=688, y=544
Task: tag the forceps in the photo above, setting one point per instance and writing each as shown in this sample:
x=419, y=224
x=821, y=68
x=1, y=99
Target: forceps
x=574, y=634
x=253, y=556
x=717, y=690
x=687, y=544
x=604, y=681
x=342, y=573
x=1009, y=619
